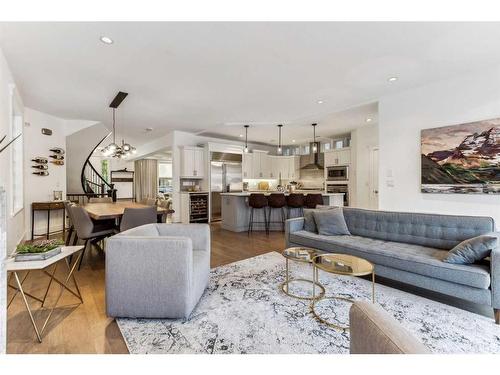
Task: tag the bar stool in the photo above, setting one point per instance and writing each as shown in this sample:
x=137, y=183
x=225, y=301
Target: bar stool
x=276, y=200
x=295, y=201
x=257, y=202
x=311, y=200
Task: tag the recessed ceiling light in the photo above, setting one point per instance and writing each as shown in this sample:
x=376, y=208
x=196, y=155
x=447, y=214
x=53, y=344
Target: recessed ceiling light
x=106, y=40
x=392, y=79
x=321, y=101
x=293, y=140
x=368, y=119
x=241, y=135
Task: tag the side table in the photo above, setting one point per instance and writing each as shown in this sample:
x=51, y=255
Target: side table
x=15, y=268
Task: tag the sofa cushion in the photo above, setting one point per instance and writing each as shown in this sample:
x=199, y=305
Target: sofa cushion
x=309, y=222
x=433, y=230
x=418, y=259
x=471, y=250
x=331, y=222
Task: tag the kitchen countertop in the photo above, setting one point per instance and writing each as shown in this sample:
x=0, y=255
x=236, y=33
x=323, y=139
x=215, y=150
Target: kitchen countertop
x=194, y=192
x=247, y=193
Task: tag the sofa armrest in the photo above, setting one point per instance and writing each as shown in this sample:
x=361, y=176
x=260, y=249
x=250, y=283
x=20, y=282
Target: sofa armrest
x=294, y=225
x=291, y=226
x=374, y=331
x=198, y=233
x=140, y=271
x=495, y=272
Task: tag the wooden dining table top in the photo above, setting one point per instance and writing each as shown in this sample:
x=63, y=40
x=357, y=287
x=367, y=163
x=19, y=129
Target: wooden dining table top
x=102, y=211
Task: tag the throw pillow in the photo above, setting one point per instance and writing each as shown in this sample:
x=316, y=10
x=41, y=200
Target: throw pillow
x=471, y=250
x=309, y=223
x=331, y=222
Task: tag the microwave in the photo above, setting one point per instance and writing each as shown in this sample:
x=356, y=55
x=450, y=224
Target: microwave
x=337, y=173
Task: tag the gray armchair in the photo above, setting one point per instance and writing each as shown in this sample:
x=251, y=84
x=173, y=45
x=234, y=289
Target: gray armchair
x=157, y=270
x=374, y=331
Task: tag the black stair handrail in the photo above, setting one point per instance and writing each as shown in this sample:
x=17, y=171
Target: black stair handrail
x=101, y=181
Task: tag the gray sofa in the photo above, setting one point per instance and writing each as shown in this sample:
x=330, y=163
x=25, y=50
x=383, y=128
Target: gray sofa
x=157, y=270
x=409, y=248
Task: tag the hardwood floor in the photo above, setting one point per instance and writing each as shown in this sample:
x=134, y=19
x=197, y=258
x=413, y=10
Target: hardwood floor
x=85, y=328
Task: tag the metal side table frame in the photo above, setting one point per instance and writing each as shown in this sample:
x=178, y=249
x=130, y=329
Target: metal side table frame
x=293, y=254
x=337, y=262
x=16, y=267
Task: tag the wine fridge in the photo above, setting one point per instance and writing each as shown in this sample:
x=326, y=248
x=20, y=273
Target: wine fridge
x=198, y=207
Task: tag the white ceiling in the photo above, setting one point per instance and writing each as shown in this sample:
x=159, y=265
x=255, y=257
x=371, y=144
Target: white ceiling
x=214, y=77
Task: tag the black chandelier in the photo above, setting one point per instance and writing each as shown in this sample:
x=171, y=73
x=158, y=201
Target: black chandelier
x=113, y=149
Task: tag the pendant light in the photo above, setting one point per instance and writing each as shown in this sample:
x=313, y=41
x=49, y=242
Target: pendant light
x=113, y=149
x=315, y=145
x=280, y=149
x=246, y=138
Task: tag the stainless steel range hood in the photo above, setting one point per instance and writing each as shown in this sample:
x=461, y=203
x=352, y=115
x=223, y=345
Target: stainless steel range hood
x=314, y=161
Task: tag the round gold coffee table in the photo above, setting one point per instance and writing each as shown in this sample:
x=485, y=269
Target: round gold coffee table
x=339, y=264
x=303, y=255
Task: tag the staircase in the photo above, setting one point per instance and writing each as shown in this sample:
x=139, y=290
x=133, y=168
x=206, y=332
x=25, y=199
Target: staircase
x=93, y=184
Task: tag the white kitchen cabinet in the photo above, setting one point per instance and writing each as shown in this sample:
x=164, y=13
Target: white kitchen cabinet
x=260, y=165
x=192, y=162
x=293, y=163
x=338, y=157
x=247, y=165
x=272, y=167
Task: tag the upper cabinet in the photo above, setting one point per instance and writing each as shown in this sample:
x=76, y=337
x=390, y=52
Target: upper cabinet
x=338, y=157
x=192, y=162
x=259, y=167
x=247, y=165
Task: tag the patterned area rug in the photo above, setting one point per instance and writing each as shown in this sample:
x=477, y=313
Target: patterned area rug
x=243, y=311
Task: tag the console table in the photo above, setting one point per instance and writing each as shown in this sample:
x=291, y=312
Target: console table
x=47, y=206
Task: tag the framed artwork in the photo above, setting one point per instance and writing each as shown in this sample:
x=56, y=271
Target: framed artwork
x=461, y=158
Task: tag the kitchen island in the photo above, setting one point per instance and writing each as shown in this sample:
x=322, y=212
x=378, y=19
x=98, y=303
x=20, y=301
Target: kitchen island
x=236, y=212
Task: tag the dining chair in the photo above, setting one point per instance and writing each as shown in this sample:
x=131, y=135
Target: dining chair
x=135, y=217
x=86, y=229
x=67, y=205
x=101, y=200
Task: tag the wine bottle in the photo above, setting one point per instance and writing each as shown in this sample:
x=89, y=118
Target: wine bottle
x=57, y=162
x=57, y=150
x=40, y=160
x=57, y=157
x=41, y=173
x=43, y=167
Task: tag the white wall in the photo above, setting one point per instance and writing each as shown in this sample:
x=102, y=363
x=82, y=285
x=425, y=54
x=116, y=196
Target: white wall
x=41, y=188
x=78, y=147
x=11, y=227
x=363, y=140
x=463, y=99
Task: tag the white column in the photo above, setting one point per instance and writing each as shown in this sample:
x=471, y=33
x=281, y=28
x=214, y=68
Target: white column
x=3, y=274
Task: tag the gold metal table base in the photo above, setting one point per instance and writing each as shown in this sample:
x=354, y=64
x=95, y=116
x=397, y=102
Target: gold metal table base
x=324, y=321
x=285, y=289
x=63, y=286
x=315, y=301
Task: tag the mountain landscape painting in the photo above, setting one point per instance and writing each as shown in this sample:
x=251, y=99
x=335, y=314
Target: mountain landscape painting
x=462, y=158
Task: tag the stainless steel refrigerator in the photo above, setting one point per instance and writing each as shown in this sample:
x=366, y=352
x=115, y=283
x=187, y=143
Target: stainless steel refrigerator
x=225, y=176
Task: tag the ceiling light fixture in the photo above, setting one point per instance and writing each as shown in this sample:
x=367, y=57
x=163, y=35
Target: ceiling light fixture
x=106, y=40
x=293, y=140
x=241, y=135
x=321, y=101
x=280, y=149
x=246, y=138
x=114, y=150
x=392, y=79
x=368, y=119
x=315, y=144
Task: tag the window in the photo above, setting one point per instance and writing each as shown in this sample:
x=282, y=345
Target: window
x=17, y=176
x=165, y=177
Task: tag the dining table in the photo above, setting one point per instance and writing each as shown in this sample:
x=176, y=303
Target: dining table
x=106, y=211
